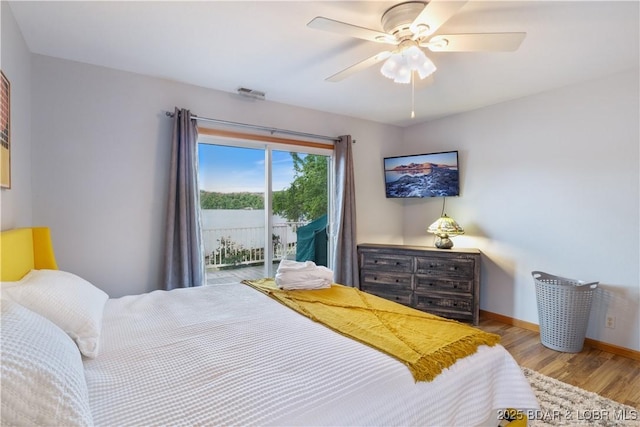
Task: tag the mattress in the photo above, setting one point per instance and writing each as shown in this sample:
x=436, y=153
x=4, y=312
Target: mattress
x=229, y=355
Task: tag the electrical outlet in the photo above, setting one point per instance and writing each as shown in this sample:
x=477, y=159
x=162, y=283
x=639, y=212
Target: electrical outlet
x=610, y=322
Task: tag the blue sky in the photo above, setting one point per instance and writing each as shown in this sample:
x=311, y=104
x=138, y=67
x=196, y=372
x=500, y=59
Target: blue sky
x=232, y=169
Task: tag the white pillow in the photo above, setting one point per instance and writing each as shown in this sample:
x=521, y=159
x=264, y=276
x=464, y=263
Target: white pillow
x=41, y=378
x=72, y=303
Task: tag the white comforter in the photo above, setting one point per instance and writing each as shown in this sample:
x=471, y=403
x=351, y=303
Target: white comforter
x=229, y=355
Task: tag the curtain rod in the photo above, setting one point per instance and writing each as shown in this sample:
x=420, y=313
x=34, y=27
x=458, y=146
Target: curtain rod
x=262, y=128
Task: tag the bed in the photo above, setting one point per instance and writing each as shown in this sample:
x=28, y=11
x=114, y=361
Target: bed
x=213, y=355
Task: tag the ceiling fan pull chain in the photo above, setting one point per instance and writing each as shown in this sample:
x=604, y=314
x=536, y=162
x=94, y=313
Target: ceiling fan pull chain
x=413, y=93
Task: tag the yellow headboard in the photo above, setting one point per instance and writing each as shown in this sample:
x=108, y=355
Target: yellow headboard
x=24, y=249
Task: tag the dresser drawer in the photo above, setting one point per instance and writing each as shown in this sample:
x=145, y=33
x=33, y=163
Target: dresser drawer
x=392, y=286
x=387, y=262
x=400, y=295
x=451, y=268
x=430, y=302
x=428, y=284
x=386, y=279
x=452, y=314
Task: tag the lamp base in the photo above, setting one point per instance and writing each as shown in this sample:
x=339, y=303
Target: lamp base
x=443, y=242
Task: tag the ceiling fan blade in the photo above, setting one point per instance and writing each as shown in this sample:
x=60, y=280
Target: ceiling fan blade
x=483, y=42
x=359, y=66
x=436, y=13
x=331, y=25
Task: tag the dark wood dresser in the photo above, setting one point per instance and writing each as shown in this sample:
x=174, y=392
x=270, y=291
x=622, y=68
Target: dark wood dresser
x=445, y=282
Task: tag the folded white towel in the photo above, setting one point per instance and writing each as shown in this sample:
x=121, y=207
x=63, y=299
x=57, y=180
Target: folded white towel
x=288, y=265
x=303, y=275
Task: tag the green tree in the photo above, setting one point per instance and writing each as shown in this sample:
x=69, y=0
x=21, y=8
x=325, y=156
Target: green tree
x=214, y=200
x=306, y=198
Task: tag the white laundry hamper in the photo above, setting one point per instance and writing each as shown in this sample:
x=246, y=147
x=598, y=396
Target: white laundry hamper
x=563, y=310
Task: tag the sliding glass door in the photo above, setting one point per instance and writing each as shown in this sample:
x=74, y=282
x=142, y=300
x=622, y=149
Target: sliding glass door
x=260, y=204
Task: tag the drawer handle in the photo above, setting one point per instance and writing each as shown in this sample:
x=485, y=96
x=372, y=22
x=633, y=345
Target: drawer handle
x=455, y=304
x=397, y=280
x=397, y=298
x=375, y=261
x=430, y=284
x=375, y=278
x=397, y=262
x=455, y=286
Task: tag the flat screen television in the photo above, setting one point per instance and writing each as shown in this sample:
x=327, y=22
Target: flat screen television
x=422, y=175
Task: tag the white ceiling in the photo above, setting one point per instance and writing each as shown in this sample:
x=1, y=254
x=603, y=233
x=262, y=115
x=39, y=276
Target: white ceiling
x=266, y=46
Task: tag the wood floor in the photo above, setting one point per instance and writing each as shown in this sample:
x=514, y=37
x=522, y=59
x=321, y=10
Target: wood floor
x=609, y=375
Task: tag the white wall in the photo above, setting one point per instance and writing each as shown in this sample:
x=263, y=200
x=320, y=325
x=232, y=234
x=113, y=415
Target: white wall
x=551, y=183
x=101, y=145
x=15, y=203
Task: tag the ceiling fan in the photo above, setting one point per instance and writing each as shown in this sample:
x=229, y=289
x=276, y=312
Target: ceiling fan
x=410, y=27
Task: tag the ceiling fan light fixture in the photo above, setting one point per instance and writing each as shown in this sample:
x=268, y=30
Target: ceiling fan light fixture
x=392, y=67
x=397, y=68
x=400, y=66
x=419, y=62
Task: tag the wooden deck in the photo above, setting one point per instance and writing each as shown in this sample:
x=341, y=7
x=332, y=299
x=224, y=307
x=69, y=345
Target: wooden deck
x=218, y=277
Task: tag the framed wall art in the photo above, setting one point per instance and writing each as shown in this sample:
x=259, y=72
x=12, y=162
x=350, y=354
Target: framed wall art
x=5, y=132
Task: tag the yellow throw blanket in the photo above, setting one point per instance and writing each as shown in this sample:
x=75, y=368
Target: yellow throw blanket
x=425, y=343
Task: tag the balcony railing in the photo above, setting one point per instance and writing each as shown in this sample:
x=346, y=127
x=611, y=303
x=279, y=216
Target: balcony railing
x=226, y=247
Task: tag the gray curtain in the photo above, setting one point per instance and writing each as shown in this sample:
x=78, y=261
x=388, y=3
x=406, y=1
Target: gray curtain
x=183, y=260
x=345, y=255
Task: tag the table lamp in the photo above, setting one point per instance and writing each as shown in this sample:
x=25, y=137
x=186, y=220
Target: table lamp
x=443, y=228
